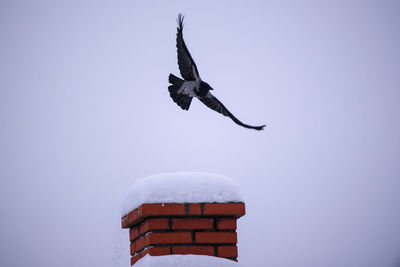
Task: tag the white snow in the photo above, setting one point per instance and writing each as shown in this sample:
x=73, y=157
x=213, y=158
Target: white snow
x=185, y=261
x=181, y=187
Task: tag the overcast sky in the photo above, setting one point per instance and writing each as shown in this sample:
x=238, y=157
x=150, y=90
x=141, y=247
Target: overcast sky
x=85, y=110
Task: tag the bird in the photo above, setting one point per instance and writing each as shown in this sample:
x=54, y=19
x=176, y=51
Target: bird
x=183, y=90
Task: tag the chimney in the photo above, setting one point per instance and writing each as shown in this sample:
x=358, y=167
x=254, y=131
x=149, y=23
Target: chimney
x=183, y=213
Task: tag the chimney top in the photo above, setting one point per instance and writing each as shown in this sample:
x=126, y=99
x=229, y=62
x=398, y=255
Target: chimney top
x=181, y=187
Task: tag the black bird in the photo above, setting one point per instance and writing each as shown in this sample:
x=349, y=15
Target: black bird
x=183, y=91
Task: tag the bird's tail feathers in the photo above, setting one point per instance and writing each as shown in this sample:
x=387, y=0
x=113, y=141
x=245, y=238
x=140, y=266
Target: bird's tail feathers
x=182, y=100
x=175, y=80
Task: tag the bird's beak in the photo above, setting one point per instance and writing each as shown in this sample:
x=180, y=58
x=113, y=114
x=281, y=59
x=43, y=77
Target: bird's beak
x=211, y=88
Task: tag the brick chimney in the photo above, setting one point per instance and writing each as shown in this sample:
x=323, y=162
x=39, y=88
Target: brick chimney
x=184, y=228
x=183, y=213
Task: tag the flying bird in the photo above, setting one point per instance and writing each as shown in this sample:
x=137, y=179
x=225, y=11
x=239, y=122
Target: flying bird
x=183, y=90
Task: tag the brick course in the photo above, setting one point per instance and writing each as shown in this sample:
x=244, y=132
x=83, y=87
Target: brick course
x=226, y=224
x=154, y=224
x=161, y=209
x=139, y=244
x=216, y=237
x=192, y=223
x=168, y=238
x=236, y=209
x=227, y=251
x=133, y=233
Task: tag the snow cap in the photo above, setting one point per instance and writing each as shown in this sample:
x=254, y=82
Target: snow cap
x=181, y=187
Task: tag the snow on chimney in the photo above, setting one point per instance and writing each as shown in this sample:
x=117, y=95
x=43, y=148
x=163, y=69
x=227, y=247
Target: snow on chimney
x=183, y=213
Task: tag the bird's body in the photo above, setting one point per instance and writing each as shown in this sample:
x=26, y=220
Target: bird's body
x=183, y=91
x=189, y=88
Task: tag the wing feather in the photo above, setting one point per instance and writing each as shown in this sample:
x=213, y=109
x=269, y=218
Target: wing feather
x=187, y=66
x=212, y=102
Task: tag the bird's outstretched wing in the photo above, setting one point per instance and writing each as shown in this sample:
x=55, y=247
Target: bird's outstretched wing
x=212, y=102
x=187, y=66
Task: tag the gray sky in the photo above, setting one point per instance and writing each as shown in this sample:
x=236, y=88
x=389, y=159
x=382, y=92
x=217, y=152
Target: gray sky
x=85, y=110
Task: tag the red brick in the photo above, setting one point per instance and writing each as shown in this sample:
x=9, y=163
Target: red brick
x=194, y=209
x=161, y=209
x=154, y=224
x=216, y=237
x=124, y=221
x=189, y=224
x=227, y=251
x=133, y=248
x=159, y=251
x=197, y=250
x=139, y=244
x=133, y=217
x=133, y=233
x=226, y=224
x=168, y=238
x=234, y=209
x=137, y=257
